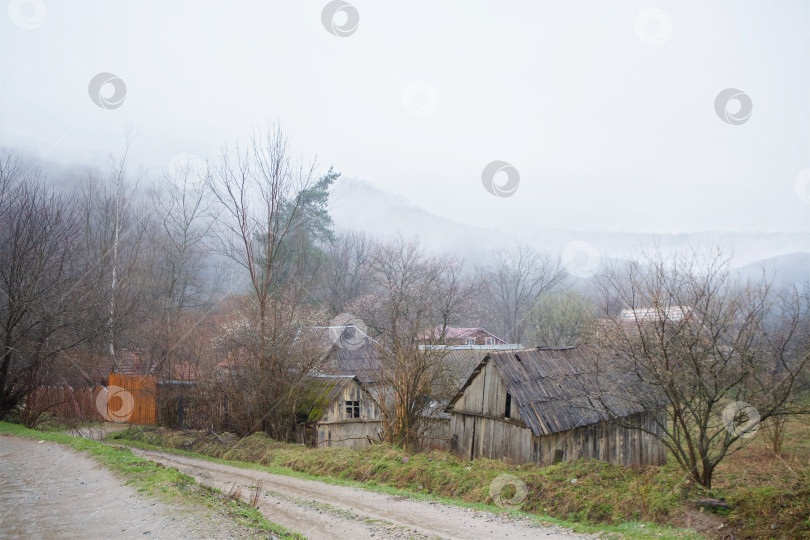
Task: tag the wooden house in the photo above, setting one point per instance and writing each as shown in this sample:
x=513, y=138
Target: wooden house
x=462, y=336
x=546, y=405
x=340, y=412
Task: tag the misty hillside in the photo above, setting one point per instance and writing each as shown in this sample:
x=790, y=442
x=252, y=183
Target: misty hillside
x=793, y=268
x=359, y=205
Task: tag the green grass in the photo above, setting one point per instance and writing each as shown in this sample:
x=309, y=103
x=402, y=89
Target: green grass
x=588, y=506
x=51, y=422
x=154, y=480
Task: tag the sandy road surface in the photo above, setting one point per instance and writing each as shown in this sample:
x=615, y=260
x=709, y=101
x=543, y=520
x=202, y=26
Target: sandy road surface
x=48, y=490
x=319, y=510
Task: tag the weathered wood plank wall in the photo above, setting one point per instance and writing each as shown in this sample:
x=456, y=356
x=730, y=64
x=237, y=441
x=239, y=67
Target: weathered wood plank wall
x=336, y=429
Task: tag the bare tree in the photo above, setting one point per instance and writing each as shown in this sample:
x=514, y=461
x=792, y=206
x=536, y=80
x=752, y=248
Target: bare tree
x=112, y=238
x=47, y=304
x=720, y=356
x=514, y=282
x=176, y=258
x=254, y=400
x=415, y=298
x=454, y=297
x=271, y=206
x=347, y=272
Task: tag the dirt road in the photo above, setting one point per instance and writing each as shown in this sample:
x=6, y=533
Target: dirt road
x=324, y=511
x=50, y=491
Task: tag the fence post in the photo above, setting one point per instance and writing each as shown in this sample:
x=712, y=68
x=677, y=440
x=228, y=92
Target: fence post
x=180, y=410
x=227, y=415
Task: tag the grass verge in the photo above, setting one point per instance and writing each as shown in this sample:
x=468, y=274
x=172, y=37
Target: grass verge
x=154, y=480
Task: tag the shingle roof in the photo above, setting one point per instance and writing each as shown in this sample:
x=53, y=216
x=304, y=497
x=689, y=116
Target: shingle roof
x=128, y=361
x=458, y=364
x=347, y=351
x=557, y=389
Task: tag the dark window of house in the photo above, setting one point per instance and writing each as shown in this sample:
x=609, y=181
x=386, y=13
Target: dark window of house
x=508, y=409
x=353, y=409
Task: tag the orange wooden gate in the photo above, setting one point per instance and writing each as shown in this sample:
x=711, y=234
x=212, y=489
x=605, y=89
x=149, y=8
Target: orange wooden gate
x=131, y=399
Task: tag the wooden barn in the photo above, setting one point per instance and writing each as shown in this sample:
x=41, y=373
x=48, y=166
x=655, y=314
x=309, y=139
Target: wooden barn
x=340, y=412
x=546, y=405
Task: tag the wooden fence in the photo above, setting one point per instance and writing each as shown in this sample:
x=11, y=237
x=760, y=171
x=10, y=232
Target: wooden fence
x=192, y=407
x=65, y=402
x=130, y=399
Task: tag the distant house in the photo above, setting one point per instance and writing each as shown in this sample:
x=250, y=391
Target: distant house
x=464, y=336
x=543, y=406
x=81, y=370
x=632, y=320
x=340, y=412
x=656, y=314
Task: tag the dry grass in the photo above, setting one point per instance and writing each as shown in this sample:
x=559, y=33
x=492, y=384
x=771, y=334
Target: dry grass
x=256, y=494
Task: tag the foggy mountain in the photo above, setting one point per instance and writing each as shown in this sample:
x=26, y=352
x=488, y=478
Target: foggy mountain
x=793, y=268
x=359, y=205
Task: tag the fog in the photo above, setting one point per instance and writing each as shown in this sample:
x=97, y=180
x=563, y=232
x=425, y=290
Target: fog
x=606, y=112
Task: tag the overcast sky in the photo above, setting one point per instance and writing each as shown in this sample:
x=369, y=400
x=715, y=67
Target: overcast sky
x=606, y=110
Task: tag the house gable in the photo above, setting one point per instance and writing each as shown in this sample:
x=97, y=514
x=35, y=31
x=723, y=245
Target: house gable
x=361, y=359
x=329, y=397
x=342, y=413
x=351, y=404
x=485, y=394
